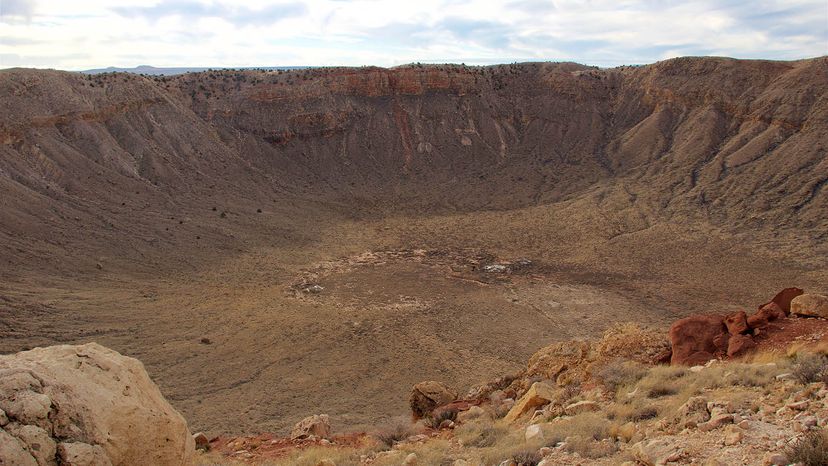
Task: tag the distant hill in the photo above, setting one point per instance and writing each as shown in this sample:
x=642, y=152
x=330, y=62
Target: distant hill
x=155, y=71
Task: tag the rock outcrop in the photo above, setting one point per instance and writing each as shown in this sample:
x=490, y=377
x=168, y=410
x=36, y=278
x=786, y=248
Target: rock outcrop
x=698, y=339
x=86, y=405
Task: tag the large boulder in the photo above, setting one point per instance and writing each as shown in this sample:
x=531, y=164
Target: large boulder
x=783, y=299
x=539, y=394
x=425, y=396
x=85, y=405
x=698, y=339
x=316, y=426
x=811, y=305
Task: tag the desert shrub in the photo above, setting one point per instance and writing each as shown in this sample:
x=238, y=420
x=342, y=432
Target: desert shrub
x=747, y=375
x=528, y=456
x=618, y=373
x=635, y=410
x=585, y=425
x=809, y=368
x=394, y=431
x=810, y=450
x=662, y=381
x=589, y=448
x=480, y=435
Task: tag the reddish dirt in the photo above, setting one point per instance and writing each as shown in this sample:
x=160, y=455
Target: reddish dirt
x=780, y=334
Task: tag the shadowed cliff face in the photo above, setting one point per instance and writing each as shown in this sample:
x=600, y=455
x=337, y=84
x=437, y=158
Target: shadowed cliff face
x=147, y=213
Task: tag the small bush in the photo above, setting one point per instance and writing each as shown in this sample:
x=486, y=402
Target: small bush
x=619, y=373
x=480, y=435
x=809, y=368
x=636, y=410
x=810, y=450
x=394, y=431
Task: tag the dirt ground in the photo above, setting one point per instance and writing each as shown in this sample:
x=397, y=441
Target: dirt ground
x=239, y=347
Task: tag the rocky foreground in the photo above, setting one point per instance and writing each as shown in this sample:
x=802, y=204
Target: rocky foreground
x=738, y=389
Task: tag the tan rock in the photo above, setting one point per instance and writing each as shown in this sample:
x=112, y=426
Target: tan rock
x=692, y=413
x=809, y=304
x=410, y=460
x=733, y=438
x=326, y=462
x=474, y=412
x=534, y=433
x=538, y=394
x=715, y=422
x=317, y=425
x=89, y=394
x=425, y=396
x=82, y=454
x=581, y=407
x=656, y=452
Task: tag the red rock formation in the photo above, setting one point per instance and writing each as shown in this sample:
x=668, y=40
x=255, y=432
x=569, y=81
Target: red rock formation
x=767, y=313
x=737, y=323
x=698, y=339
x=783, y=299
x=739, y=344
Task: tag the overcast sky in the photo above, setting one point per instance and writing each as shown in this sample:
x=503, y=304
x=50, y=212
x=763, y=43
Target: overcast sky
x=82, y=34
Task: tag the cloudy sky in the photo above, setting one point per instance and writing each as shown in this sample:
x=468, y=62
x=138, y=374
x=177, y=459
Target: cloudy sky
x=82, y=34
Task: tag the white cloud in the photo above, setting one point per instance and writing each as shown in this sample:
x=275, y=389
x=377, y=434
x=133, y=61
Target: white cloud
x=95, y=33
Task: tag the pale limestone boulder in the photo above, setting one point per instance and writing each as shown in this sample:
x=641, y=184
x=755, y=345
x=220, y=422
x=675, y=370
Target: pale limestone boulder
x=811, y=305
x=87, y=404
x=318, y=426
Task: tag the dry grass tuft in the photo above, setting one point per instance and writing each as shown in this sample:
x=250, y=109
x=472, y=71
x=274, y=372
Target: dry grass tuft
x=811, y=450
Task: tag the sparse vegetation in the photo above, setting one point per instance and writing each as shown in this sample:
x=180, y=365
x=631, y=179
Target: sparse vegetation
x=810, y=368
x=811, y=450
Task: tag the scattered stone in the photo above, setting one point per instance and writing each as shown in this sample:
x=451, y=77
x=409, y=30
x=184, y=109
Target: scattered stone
x=810, y=305
x=494, y=268
x=715, y=422
x=581, y=407
x=326, y=462
x=693, y=412
x=3, y=418
x=785, y=376
x=410, y=460
x=733, y=437
x=538, y=394
x=206, y=341
x=317, y=425
x=201, y=441
x=656, y=452
x=313, y=289
x=744, y=424
x=695, y=369
x=774, y=459
x=425, y=396
x=534, y=432
x=798, y=406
